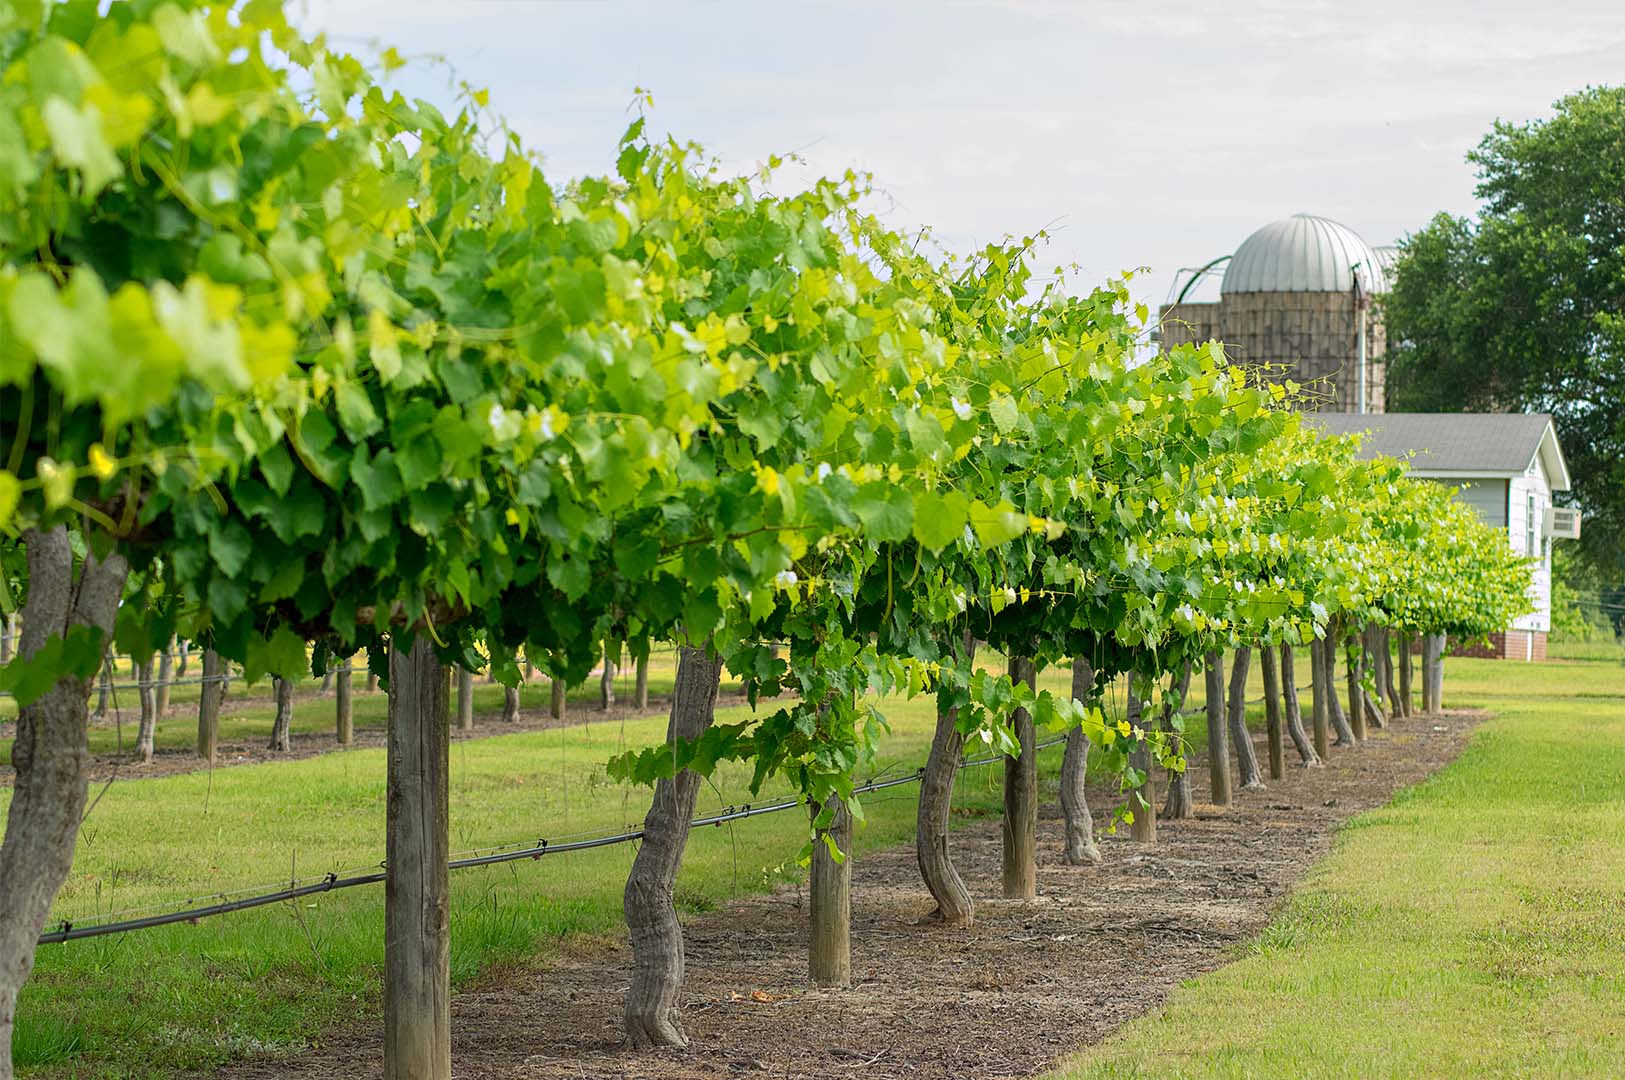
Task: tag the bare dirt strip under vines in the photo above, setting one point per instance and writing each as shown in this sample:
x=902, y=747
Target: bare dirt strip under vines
x=1029, y=983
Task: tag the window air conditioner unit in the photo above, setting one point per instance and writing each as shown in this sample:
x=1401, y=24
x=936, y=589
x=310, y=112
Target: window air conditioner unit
x=1562, y=523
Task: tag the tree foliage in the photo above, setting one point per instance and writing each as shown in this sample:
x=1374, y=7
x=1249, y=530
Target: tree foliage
x=1524, y=306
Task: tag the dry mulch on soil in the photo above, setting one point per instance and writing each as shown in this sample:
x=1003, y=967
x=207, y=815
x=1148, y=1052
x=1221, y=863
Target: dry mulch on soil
x=1030, y=982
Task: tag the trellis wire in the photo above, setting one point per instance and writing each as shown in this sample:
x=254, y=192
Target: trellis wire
x=67, y=931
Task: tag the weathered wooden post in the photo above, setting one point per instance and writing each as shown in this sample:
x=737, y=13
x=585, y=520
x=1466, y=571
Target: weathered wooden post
x=1407, y=704
x=345, y=718
x=829, y=890
x=465, y=699
x=417, y=925
x=208, y=707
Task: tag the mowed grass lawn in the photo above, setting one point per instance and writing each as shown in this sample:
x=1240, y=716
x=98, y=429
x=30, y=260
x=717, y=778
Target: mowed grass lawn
x=248, y=713
x=1473, y=927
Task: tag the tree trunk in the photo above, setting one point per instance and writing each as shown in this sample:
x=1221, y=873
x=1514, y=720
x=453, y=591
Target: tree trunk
x=280, y=738
x=8, y=630
x=1218, y=741
x=1352, y=673
x=510, y=704
x=208, y=708
x=50, y=754
x=343, y=705
x=1294, y=712
x=947, y=888
x=1080, y=826
x=183, y=652
x=829, y=895
x=465, y=699
x=656, y=936
x=1246, y=759
x=1334, y=705
x=166, y=675
x=1407, y=704
x=327, y=682
x=417, y=900
x=558, y=701
x=372, y=681
x=146, y=733
x=606, y=681
x=1142, y=800
x=1321, y=689
x=641, y=692
x=1272, y=713
x=1020, y=829
x=1179, y=804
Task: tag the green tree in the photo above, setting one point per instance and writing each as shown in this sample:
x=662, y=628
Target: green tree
x=1524, y=307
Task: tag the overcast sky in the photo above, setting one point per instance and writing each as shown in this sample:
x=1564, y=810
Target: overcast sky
x=1152, y=134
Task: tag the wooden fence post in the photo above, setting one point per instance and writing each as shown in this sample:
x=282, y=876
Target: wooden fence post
x=417, y=926
x=345, y=717
x=1143, y=829
x=829, y=951
x=208, y=707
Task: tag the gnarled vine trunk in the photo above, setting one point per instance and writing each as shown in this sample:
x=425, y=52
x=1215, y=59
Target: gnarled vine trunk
x=656, y=936
x=1294, y=712
x=1179, y=804
x=510, y=704
x=1388, y=690
x=557, y=700
x=947, y=888
x=1407, y=704
x=1246, y=760
x=1334, y=706
x=50, y=754
x=1354, y=674
x=1020, y=831
x=1272, y=713
x=1080, y=826
x=282, y=725
x=641, y=690
x=1142, y=802
x=1218, y=739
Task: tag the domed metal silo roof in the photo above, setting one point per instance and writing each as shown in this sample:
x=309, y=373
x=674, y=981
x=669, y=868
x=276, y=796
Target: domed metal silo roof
x=1303, y=253
x=1387, y=256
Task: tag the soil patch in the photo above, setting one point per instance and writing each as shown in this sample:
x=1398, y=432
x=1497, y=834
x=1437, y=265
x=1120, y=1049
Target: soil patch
x=1028, y=983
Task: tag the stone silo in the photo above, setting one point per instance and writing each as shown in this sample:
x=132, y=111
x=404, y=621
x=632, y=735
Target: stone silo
x=1296, y=299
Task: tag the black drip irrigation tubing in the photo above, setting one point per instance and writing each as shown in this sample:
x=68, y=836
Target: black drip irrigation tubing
x=67, y=931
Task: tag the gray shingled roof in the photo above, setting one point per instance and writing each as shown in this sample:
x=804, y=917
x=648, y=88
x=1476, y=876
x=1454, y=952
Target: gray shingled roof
x=1447, y=442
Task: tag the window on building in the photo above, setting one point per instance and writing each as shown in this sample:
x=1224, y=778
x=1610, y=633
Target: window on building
x=1531, y=543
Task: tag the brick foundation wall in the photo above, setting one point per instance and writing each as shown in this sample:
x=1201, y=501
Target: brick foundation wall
x=1511, y=645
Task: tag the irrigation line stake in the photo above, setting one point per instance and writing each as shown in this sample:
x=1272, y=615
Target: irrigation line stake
x=332, y=882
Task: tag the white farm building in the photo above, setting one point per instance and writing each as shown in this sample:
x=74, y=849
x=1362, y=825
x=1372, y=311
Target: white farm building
x=1507, y=466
